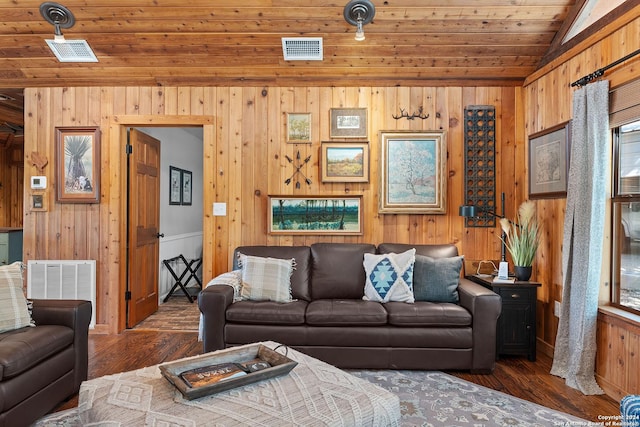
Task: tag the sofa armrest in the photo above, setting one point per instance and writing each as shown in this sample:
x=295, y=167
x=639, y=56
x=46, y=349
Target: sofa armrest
x=485, y=307
x=75, y=314
x=213, y=302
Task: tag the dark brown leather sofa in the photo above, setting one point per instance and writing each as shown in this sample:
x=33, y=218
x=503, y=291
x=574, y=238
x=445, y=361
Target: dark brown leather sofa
x=42, y=366
x=329, y=320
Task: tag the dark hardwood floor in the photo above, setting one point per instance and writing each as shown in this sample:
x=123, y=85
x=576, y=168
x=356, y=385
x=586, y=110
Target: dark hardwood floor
x=517, y=376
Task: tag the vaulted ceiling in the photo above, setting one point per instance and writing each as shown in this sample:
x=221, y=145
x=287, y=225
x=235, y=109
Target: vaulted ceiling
x=177, y=42
x=227, y=42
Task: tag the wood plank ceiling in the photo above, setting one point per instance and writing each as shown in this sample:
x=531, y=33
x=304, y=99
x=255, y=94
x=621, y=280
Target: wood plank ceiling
x=225, y=42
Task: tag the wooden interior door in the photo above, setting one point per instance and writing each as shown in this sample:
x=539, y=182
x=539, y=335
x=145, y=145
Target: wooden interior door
x=144, y=222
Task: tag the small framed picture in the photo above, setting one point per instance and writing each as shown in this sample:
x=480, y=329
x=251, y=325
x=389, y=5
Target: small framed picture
x=77, y=164
x=549, y=162
x=344, y=161
x=175, y=185
x=299, y=128
x=186, y=187
x=348, y=123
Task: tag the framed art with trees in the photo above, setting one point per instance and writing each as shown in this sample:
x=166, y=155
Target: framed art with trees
x=413, y=172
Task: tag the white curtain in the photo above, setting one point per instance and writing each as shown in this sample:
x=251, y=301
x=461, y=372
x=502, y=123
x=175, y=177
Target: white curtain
x=575, y=348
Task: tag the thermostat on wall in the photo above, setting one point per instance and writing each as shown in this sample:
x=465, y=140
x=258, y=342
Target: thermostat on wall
x=38, y=182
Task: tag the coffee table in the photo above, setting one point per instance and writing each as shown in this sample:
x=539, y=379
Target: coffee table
x=314, y=393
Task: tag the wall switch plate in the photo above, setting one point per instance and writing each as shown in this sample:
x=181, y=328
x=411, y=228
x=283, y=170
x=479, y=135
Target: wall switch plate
x=219, y=209
x=38, y=202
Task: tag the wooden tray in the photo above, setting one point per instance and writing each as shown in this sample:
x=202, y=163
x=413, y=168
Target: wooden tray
x=280, y=365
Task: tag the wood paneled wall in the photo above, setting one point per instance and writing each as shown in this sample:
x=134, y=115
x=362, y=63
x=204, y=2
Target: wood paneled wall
x=244, y=163
x=618, y=353
x=548, y=102
x=11, y=185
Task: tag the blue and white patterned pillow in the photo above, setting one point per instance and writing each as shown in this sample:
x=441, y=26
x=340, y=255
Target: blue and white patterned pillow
x=389, y=277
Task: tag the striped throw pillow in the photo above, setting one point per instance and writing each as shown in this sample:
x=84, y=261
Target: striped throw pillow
x=13, y=304
x=266, y=279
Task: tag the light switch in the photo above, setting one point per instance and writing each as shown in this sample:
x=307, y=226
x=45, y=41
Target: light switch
x=219, y=209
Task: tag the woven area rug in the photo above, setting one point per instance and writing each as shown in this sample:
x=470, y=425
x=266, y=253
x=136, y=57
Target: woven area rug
x=430, y=398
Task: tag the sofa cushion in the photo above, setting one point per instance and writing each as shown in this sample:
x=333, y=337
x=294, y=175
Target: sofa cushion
x=14, y=313
x=299, y=279
x=389, y=277
x=436, y=279
x=24, y=348
x=267, y=312
x=434, y=251
x=337, y=270
x=339, y=312
x=427, y=314
x=266, y=279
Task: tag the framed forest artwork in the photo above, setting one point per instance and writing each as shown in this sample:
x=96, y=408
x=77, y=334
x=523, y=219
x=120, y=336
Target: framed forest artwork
x=325, y=215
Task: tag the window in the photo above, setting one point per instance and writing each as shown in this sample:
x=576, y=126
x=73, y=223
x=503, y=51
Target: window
x=591, y=11
x=626, y=218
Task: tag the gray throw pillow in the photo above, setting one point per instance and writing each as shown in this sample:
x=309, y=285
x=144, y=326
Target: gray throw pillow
x=436, y=279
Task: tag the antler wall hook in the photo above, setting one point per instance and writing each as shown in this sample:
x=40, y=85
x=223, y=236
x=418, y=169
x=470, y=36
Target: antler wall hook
x=416, y=115
x=298, y=165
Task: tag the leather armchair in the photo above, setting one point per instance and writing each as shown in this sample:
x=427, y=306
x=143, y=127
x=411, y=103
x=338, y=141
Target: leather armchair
x=42, y=366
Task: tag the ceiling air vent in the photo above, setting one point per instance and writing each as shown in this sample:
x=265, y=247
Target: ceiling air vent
x=302, y=48
x=72, y=51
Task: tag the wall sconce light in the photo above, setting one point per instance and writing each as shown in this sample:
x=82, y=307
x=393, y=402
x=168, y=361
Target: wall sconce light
x=471, y=211
x=359, y=13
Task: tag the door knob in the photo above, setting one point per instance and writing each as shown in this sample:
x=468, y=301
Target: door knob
x=160, y=235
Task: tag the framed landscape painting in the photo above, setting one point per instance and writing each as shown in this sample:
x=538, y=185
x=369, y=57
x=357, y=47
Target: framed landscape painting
x=299, y=128
x=413, y=175
x=345, y=162
x=77, y=165
x=315, y=215
x=348, y=123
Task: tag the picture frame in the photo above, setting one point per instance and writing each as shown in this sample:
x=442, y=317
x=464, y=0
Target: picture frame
x=413, y=176
x=348, y=123
x=320, y=215
x=549, y=152
x=175, y=185
x=186, y=187
x=299, y=128
x=77, y=164
x=344, y=161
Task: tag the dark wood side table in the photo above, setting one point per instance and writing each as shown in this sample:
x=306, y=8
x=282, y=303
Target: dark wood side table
x=516, y=330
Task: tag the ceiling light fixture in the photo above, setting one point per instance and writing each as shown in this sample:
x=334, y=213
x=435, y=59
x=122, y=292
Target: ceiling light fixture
x=65, y=50
x=59, y=16
x=359, y=13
